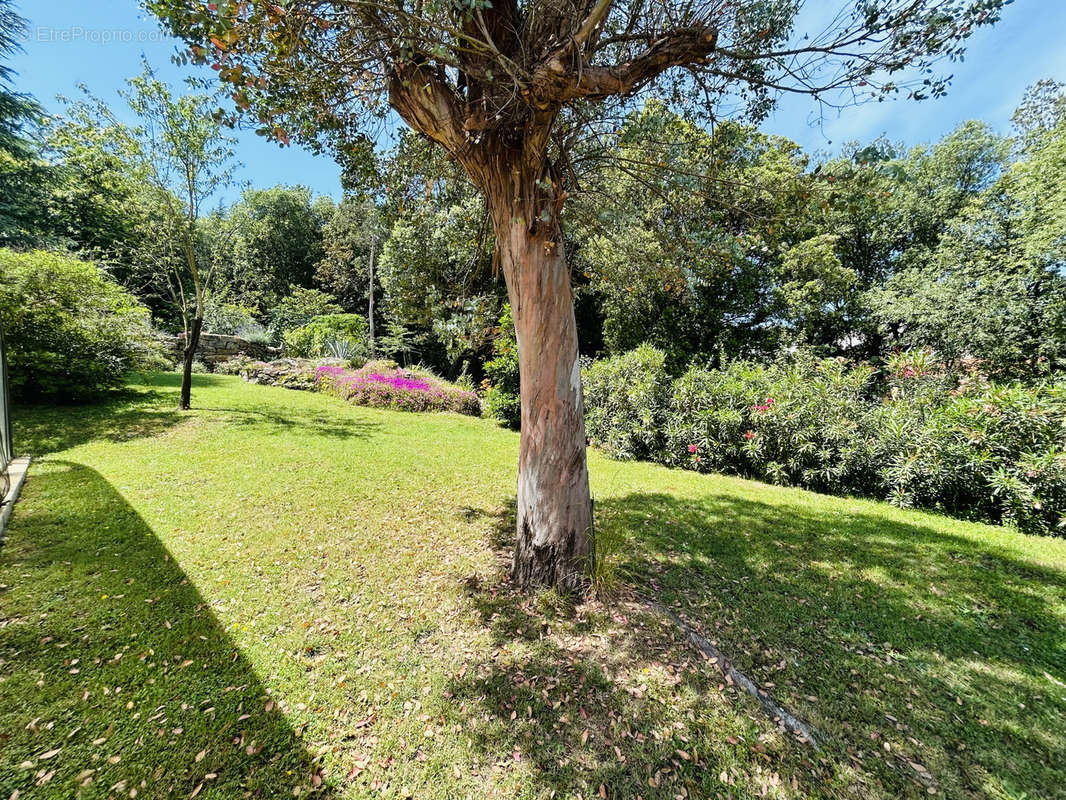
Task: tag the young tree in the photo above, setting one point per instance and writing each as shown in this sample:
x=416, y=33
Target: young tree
x=186, y=158
x=180, y=155
x=507, y=88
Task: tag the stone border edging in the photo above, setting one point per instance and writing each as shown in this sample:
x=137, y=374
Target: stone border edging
x=16, y=470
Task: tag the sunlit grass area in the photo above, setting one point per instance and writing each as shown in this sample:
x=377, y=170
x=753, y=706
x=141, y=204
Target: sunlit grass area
x=281, y=594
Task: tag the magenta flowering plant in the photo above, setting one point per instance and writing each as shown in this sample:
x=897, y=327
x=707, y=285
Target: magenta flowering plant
x=390, y=387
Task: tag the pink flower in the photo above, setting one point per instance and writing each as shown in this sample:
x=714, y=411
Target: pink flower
x=693, y=448
x=749, y=435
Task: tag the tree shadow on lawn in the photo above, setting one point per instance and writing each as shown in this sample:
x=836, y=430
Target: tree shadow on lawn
x=875, y=630
x=325, y=425
x=950, y=650
x=607, y=694
x=115, y=674
x=139, y=412
x=132, y=413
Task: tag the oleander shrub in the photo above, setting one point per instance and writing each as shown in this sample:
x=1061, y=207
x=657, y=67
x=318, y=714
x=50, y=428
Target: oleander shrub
x=982, y=450
x=72, y=333
x=800, y=421
x=917, y=435
x=313, y=339
x=384, y=385
x=626, y=400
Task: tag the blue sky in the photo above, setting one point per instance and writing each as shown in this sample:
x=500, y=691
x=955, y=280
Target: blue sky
x=100, y=44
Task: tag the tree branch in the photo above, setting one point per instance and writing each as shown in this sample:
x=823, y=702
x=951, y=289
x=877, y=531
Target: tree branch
x=427, y=103
x=597, y=15
x=557, y=80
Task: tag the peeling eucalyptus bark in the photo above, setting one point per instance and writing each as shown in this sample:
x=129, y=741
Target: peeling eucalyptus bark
x=554, y=507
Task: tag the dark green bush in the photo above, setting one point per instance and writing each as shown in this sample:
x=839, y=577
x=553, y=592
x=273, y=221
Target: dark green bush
x=71, y=332
x=799, y=420
x=298, y=308
x=973, y=448
x=327, y=332
x=626, y=400
x=503, y=389
x=981, y=450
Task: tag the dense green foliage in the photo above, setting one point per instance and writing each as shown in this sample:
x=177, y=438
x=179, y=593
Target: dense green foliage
x=24, y=176
x=325, y=331
x=300, y=307
x=71, y=332
x=625, y=398
x=503, y=386
x=267, y=242
x=971, y=447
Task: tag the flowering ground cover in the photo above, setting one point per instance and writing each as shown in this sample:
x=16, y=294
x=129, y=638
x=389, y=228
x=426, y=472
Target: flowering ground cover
x=328, y=619
x=382, y=385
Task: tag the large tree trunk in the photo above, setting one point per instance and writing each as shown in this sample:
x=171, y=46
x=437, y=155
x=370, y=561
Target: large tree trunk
x=554, y=546
x=189, y=354
x=512, y=169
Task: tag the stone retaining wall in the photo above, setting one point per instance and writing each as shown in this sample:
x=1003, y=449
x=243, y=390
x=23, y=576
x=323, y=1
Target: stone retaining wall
x=216, y=347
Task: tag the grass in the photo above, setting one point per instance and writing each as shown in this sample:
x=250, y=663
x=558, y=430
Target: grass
x=281, y=594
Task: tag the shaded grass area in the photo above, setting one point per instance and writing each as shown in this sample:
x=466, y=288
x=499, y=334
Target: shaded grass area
x=342, y=566
x=929, y=652
x=117, y=677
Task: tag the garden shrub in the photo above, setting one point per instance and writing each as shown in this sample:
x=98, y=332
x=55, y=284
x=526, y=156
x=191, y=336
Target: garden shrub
x=981, y=450
x=298, y=308
x=503, y=400
x=799, y=420
x=226, y=318
x=973, y=448
x=72, y=333
x=313, y=339
x=383, y=385
x=626, y=399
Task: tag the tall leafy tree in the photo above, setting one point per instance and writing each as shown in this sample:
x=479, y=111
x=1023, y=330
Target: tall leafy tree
x=683, y=231
x=507, y=89
x=990, y=284
x=24, y=175
x=271, y=239
x=353, y=234
x=99, y=203
x=885, y=211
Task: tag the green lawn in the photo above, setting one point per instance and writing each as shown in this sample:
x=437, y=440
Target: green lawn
x=279, y=594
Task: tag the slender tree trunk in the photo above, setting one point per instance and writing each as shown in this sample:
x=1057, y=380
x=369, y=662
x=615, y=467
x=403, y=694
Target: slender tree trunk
x=191, y=343
x=554, y=546
x=373, y=244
